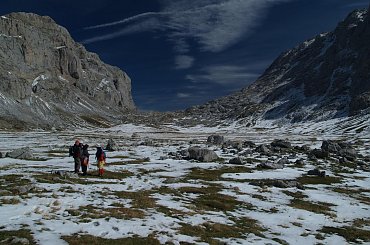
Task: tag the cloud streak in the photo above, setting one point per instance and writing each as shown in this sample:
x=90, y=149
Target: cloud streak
x=214, y=24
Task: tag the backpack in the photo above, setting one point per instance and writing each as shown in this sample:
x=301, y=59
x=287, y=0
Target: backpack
x=71, y=151
x=102, y=156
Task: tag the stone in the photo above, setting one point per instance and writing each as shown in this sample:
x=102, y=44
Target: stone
x=22, y=153
x=16, y=240
x=1, y=155
x=23, y=189
x=283, y=161
x=263, y=149
x=111, y=145
x=202, y=155
x=194, y=142
x=65, y=174
x=316, y=172
x=236, y=160
x=281, y=144
x=299, y=162
x=330, y=146
x=215, y=139
x=318, y=153
x=249, y=144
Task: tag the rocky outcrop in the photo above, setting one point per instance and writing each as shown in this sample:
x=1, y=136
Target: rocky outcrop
x=323, y=78
x=49, y=80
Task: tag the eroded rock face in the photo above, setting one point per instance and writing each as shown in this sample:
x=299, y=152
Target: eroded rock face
x=47, y=79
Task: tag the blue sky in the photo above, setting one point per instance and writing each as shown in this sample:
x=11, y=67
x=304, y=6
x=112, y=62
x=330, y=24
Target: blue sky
x=180, y=53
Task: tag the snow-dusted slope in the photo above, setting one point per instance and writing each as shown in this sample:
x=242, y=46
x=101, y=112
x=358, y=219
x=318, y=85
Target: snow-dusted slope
x=323, y=78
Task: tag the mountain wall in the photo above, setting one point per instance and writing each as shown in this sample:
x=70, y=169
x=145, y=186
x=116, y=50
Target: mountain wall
x=323, y=78
x=49, y=80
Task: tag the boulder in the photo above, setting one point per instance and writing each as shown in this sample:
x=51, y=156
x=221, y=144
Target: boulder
x=249, y=144
x=194, y=142
x=330, y=146
x=236, y=160
x=23, y=189
x=22, y=153
x=316, y=172
x=263, y=149
x=216, y=139
x=111, y=145
x=283, y=161
x=202, y=155
x=1, y=155
x=318, y=153
x=281, y=144
x=299, y=162
x=278, y=183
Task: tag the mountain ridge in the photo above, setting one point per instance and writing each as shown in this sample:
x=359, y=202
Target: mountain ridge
x=322, y=78
x=49, y=80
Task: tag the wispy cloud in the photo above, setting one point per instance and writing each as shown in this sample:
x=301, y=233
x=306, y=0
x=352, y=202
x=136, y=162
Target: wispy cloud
x=183, y=95
x=213, y=24
x=224, y=75
x=184, y=61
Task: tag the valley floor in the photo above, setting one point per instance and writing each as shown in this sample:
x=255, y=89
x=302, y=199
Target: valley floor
x=149, y=195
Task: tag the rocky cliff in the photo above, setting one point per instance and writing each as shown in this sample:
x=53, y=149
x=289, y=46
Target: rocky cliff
x=49, y=80
x=323, y=78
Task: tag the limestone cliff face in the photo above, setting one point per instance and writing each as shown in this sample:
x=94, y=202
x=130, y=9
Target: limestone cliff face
x=323, y=78
x=47, y=79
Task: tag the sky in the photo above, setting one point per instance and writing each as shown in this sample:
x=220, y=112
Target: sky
x=180, y=53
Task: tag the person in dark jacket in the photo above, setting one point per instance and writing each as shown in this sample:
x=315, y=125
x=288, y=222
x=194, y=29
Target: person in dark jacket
x=100, y=158
x=77, y=153
x=85, y=159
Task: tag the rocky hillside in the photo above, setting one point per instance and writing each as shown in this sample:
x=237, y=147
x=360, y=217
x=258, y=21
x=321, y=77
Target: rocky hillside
x=49, y=80
x=323, y=78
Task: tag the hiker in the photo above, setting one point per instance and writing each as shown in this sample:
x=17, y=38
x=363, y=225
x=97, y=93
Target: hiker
x=76, y=151
x=100, y=157
x=85, y=159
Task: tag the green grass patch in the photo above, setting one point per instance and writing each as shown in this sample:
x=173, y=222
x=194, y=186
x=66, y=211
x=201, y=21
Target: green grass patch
x=351, y=234
x=7, y=236
x=297, y=194
x=92, y=240
x=12, y=201
x=354, y=193
x=215, y=174
x=119, y=212
x=316, y=180
x=319, y=208
x=219, y=202
x=139, y=199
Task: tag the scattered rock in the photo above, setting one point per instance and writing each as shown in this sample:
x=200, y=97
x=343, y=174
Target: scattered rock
x=65, y=174
x=278, y=183
x=194, y=142
x=23, y=189
x=249, y=144
x=16, y=240
x=330, y=146
x=22, y=153
x=299, y=162
x=263, y=149
x=283, y=161
x=111, y=146
x=216, y=139
x=318, y=153
x=281, y=144
x=135, y=136
x=316, y=172
x=236, y=160
x=202, y=155
x=270, y=165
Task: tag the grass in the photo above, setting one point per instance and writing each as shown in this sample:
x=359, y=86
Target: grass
x=218, y=202
x=12, y=201
x=92, y=240
x=316, y=180
x=23, y=233
x=350, y=233
x=354, y=193
x=119, y=212
x=319, y=208
x=215, y=174
x=209, y=232
x=140, y=199
x=297, y=194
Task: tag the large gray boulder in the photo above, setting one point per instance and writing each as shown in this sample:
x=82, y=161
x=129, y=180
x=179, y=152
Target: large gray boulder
x=202, y=154
x=216, y=139
x=22, y=153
